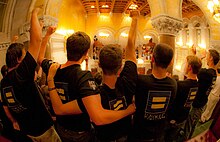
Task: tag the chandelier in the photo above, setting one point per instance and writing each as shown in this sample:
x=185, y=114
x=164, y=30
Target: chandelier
x=214, y=8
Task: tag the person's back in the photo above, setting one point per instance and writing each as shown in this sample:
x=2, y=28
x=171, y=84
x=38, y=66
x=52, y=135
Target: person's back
x=21, y=98
x=73, y=83
x=206, y=78
x=118, y=87
x=154, y=95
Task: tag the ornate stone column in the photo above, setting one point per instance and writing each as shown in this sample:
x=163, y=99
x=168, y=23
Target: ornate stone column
x=167, y=27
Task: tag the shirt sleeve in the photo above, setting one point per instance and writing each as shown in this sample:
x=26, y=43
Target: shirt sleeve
x=26, y=69
x=87, y=85
x=128, y=78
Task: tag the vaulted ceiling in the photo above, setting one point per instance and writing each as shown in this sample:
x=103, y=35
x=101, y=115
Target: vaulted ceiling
x=189, y=9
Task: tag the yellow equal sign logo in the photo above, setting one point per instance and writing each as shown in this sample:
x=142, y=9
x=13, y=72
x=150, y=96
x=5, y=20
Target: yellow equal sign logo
x=9, y=94
x=118, y=105
x=11, y=100
x=161, y=100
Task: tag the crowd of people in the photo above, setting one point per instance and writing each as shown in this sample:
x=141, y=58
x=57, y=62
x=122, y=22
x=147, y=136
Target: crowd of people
x=122, y=106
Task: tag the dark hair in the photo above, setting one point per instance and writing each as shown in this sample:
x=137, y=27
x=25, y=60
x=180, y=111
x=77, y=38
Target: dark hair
x=176, y=77
x=13, y=53
x=195, y=63
x=4, y=70
x=215, y=55
x=110, y=59
x=77, y=45
x=162, y=54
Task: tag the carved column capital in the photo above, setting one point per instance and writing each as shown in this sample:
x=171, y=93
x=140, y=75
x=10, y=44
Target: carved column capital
x=168, y=25
x=24, y=31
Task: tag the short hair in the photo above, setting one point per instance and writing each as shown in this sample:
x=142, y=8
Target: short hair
x=14, y=53
x=77, y=45
x=215, y=55
x=110, y=59
x=195, y=63
x=162, y=54
x=176, y=77
x=4, y=70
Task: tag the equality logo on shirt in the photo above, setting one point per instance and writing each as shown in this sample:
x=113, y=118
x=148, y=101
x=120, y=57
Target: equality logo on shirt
x=118, y=104
x=191, y=97
x=62, y=90
x=12, y=103
x=156, y=105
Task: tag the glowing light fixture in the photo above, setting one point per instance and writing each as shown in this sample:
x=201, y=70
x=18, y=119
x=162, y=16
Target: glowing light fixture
x=203, y=46
x=147, y=37
x=124, y=34
x=140, y=61
x=105, y=6
x=92, y=6
x=102, y=34
x=65, y=32
x=133, y=6
x=178, y=67
x=214, y=8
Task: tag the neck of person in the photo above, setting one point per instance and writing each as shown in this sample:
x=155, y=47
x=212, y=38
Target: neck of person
x=159, y=72
x=109, y=80
x=69, y=63
x=192, y=76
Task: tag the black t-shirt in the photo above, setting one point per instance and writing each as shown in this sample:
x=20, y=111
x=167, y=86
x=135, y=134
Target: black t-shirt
x=186, y=93
x=72, y=83
x=21, y=95
x=118, y=99
x=206, y=79
x=153, y=99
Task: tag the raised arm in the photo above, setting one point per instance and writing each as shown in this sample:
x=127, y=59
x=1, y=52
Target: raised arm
x=35, y=34
x=45, y=40
x=58, y=107
x=130, y=48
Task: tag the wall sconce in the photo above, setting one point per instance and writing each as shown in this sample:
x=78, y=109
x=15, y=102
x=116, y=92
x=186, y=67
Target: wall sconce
x=147, y=37
x=103, y=35
x=203, y=46
x=124, y=35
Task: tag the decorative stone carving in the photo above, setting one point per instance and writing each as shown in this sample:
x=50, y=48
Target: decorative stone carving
x=4, y=46
x=165, y=24
x=25, y=29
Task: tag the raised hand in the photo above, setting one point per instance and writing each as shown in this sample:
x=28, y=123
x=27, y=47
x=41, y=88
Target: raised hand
x=37, y=9
x=53, y=70
x=51, y=30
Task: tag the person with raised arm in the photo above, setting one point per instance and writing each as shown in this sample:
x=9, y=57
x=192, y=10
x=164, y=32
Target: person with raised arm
x=74, y=94
x=22, y=100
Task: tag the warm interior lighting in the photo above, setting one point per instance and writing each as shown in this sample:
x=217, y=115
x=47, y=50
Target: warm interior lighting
x=124, y=34
x=102, y=34
x=105, y=6
x=65, y=32
x=203, y=46
x=179, y=43
x=147, y=37
x=133, y=6
x=92, y=6
x=140, y=61
x=214, y=8
x=178, y=67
